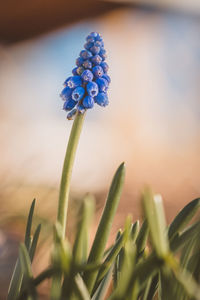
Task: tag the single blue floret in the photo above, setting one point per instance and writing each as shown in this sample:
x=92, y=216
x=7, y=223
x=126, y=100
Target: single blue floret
x=95, y=49
x=90, y=81
x=88, y=45
x=107, y=77
x=85, y=54
x=81, y=108
x=92, y=88
x=80, y=70
x=66, y=93
x=87, y=75
x=97, y=71
x=104, y=66
x=69, y=104
x=88, y=102
x=71, y=114
x=74, y=71
x=101, y=99
x=78, y=93
x=87, y=64
x=79, y=61
x=102, y=53
x=96, y=60
x=73, y=81
x=102, y=84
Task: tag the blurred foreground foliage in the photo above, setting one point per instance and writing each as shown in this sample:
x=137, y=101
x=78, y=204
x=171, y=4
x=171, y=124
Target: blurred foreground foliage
x=147, y=261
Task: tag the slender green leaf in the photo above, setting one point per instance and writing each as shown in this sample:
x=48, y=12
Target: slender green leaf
x=16, y=280
x=25, y=261
x=121, y=290
x=103, y=286
x=81, y=288
x=104, y=227
x=15, y=283
x=154, y=213
x=153, y=287
x=186, y=253
x=29, y=225
x=135, y=230
x=142, y=237
x=179, y=240
x=108, y=262
x=168, y=285
x=34, y=242
x=145, y=269
x=184, y=217
x=116, y=269
x=184, y=278
x=80, y=250
x=147, y=289
x=194, y=261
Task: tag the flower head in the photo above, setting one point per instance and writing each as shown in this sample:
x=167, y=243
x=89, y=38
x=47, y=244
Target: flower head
x=89, y=81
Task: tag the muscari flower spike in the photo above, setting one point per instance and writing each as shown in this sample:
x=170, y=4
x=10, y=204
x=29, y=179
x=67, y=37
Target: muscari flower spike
x=89, y=81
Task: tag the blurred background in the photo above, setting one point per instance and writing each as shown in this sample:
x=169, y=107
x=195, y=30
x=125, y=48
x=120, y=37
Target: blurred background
x=152, y=122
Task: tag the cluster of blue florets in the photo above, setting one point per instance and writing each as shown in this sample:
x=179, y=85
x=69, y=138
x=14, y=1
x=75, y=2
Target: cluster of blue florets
x=90, y=81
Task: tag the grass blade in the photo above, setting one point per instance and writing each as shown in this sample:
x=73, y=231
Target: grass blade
x=103, y=286
x=109, y=260
x=15, y=283
x=142, y=238
x=179, y=240
x=154, y=213
x=29, y=225
x=134, y=231
x=126, y=272
x=116, y=269
x=25, y=261
x=81, y=289
x=184, y=217
x=104, y=227
x=80, y=249
x=16, y=280
x=27, y=272
x=34, y=242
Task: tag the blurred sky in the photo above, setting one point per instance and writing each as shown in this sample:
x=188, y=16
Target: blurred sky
x=152, y=122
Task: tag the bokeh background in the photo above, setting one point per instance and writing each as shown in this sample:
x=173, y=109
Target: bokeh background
x=152, y=122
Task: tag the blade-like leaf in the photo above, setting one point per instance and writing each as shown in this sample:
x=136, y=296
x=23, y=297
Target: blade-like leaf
x=80, y=250
x=27, y=272
x=184, y=278
x=104, y=227
x=184, y=217
x=153, y=287
x=147, y=289
x=142, y=237
x=116, y=270
x=29, y=225
x=179, y=240
x=135, y=231
x=146, y=269
x=114, y=252
x=34, y=242
x=103, y=286
x=15, y=283
x=154, y=213
x=81, y=289
x=122, y=288
x=25, y=261
x=16, y=280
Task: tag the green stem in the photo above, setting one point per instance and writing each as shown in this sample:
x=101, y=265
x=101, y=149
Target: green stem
x=67, y=171
x=64, y=191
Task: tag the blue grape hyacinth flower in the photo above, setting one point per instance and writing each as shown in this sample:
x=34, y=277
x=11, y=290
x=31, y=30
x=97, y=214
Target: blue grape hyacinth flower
x=89, y=81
